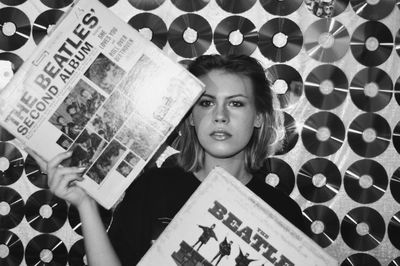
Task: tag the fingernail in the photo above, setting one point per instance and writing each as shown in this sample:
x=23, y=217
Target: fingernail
x=81, y=169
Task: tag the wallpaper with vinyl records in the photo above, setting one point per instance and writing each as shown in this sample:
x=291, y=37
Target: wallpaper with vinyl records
x=334, y=66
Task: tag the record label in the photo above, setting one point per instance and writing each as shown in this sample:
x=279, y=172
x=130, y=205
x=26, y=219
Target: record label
x=371, y=43
x=322, y=223
x=46, y=249
x=363, y=228
x=190, y=35
x=291, y=134
x=144, y=22
x=319, y=180
x=11, y=249
x=11, y=163
x=15, y=28
x=280, y=39
x=326, y=40
x=394, y=230
x=235, y=35
x=371, y=89
x=373, y=10
x=326, y=87
x=281, y=7
x=369, y=135
x=236, y=6
x=323, y=133
x=146, y=4
x=44, y=22
x=45, y=212
x=190, y=5
x=287, y=83
x=365, y=181
x=12, y=208
x=360, y=259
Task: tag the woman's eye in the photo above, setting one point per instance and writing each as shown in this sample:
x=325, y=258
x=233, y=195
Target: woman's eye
x=236, y=103
x=205, y=103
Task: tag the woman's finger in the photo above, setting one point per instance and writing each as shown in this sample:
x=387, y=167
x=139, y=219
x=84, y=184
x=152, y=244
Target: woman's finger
x=54, y=163
x=62, y=173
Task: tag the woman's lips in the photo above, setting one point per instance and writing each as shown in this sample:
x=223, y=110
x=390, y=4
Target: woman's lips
x=220, y=135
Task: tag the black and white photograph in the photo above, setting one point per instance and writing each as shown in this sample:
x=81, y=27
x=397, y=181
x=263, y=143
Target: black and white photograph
x=124, y=168
x=64, y=141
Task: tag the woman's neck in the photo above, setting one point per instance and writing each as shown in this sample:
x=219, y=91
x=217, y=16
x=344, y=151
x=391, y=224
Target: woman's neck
x=234, y=166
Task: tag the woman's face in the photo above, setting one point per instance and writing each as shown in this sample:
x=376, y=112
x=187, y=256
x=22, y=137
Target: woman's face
x=225, y=116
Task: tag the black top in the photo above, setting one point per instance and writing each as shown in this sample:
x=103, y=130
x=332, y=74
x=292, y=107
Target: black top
x=154, y=198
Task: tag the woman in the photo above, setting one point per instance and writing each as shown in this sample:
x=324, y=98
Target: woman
x=232, y=126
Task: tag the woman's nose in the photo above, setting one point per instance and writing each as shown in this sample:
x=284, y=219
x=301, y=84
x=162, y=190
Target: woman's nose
x=221, y=114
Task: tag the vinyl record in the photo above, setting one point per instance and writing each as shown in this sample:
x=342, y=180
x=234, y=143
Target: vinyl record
x=75, y=221
x=394, y=230
x=235, y=35
x=190, y=35
x=12, y=2
x=319, y=180
x=12, y=208
x=108, y=3
x=15, y=60
x=371, y=89
x=396, y=137
x=277, y=173
x=371, y=43
x=323, y=133
x=281, y=7
x=360, y=259
x=44, y=22
x=373, y=10
x=395, y=262
x=326, y=9
x=322, y=224
x=56, y=3
x=362, y=228
x=397, y=40
x=287, y=83
x=45, y=212
x=291, y=134
x=77, y=254
x=397, y=90
x=12, y=249
x=5, y=135
x=326, y=40
x=15, y=28
x=326, y=87
x=34, y=174
x=11, y=163
x=280, y=39
x=46, y=249
x=395, y=185
x=365, y=181
x=236, y=6
x=190, y=5
x=369, y=135
x=151, y=26
x=146, y=4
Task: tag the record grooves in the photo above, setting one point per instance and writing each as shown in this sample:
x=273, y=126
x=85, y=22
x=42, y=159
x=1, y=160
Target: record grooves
x=15, y=28
x=45, y=212
x=280, y=39
x=4, y=134
x=360, y=259
x=394, y=230
x=235, y=35
x=56, y=3
x=146, y=4
x=373, y=10
x=371, y=43
x=395, y=185
x=326, y=233
x=76, y=256
x=12, y=208
x=12, y=2
x=11, y=163
x=371, y=89
x=326, y=87
x=363, y=228
x=43, y=22
x=46, y=249
x=190, y=35
x=15, y=60
x=14, y=248
x=34, y=174
x=190, y=5
x=236, y=6
x=369, y=135
x=75, y=222
x=154, y=23
x=319, y=180
x=281, y=7
x=365, y=181
x=397, y=88
x=396, y=137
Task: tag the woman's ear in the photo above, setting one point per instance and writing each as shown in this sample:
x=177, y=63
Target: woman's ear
x=191, y=121
x=258, y=121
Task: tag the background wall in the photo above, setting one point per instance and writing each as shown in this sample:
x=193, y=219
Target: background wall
x=337, y=80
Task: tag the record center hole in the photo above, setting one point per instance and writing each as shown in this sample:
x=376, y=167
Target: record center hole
x=323, y=133
x=369, y=135
x=146, y=33
x=9, y=29
x=362, y=229
x=236, y=37
x=326, y=40
x=46, y=211
x=272, y=179
x=4, y=208
x=280, y=86
x=365, y=181
x=4, y=164
x=46, y=255
x=279, y=39
x=4, y=251
x=319, y=180
x=373, y=2
x=371, y=89
x=371, y=44
x=317, y=227
x=326, y=87
x=190, y=35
